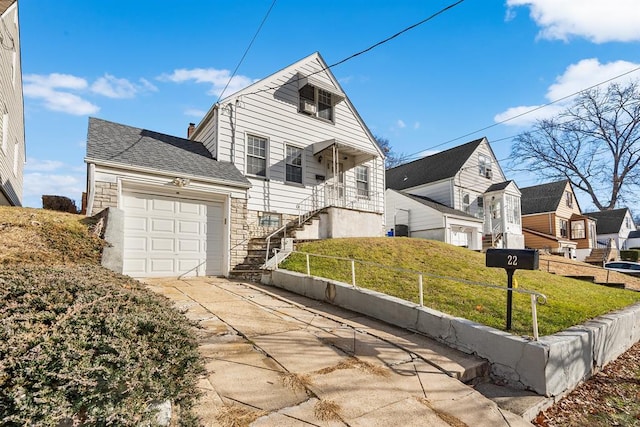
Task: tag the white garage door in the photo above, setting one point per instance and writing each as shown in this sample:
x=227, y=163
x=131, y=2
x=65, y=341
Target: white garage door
x=166, y=236
x=459, y=238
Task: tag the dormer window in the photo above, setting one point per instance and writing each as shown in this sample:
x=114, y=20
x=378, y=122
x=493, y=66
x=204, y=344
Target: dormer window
x=484, y=166
x=317, y=98
x=569, y=198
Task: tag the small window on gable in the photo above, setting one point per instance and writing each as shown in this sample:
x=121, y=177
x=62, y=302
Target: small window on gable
x=318, y=98
x=294, y=164
x=484, y=166
x=568, y=195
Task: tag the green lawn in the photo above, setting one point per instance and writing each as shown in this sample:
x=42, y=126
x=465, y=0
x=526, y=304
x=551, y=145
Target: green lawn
x=570, y=302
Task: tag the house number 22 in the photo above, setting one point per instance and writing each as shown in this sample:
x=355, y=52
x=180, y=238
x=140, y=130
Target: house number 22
x=512, y=260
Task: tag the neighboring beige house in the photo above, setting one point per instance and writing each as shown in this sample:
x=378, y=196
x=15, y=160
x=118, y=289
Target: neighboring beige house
x=552, y=220
x=289, y=147
x=468, y=179
x=12, y=145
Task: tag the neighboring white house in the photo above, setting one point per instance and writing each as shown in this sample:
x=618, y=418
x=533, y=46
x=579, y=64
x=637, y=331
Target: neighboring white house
x=289, y=145
x=469, y=179
x=303, y=146
x=633, y=240
x=12, y=145
x=422, y=217
x=614, y=224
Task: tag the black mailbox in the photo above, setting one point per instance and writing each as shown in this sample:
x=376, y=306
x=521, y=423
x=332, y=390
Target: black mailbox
x=513, y=259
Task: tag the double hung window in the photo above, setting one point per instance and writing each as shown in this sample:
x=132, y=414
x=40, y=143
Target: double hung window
x=256, y=155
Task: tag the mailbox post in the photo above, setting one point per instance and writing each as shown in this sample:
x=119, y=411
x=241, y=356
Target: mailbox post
x=511, y=260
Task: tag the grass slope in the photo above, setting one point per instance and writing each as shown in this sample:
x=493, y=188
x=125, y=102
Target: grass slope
x=570, y=301
x=79, y=344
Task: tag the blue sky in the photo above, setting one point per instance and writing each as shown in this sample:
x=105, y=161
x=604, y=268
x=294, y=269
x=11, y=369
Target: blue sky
x=160, y=64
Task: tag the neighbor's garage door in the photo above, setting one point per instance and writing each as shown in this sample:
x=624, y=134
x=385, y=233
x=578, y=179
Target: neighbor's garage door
x=459, y=238
x=166, y=236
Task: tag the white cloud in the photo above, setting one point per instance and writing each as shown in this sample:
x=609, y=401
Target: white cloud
x=576, y=77
x=36, y=165
x=47, y=88
x=401, y=124
x=596, y=20
x=217, y=78
x=194, y=112
x=416, y=125
x=36, y=184
x=113, y=87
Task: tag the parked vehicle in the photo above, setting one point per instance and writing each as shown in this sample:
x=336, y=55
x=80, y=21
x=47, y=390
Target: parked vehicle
x=628, y=267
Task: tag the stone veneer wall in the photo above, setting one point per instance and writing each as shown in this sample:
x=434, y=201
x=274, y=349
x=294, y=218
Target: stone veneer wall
x=239, y=229
x=106, y=196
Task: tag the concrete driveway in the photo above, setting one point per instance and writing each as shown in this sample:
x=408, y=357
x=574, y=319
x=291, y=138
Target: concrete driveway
x=278, y=359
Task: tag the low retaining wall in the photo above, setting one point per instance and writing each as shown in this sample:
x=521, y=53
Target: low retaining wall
x=551, y=366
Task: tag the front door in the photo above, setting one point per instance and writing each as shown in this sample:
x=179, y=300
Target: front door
x=336, y=190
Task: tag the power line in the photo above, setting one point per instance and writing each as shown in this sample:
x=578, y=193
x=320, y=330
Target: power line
x=373, y=46
x=247, y=50
x=526, y=112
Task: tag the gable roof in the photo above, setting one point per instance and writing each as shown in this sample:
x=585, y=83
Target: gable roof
x=500, y=186
x=436, y=167
x=609, y=222
x=129, y=146
x=634, y=235
x=295, y=77
x=542, y=198
x=438, y=206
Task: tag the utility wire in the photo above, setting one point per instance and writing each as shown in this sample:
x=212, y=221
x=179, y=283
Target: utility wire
x=526, y=112
x=247, y=50
x=441, y=11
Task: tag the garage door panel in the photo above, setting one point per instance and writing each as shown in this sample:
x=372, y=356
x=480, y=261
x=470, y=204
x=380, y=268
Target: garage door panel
x=189, y=227
x=162, y=245
x=135, y=203
x=162, y=225
x=162, y=265
x=190, y=245
x=135, y=224
x=163, y=206
x=132, y=265
x=188, y=208
x=136, y=243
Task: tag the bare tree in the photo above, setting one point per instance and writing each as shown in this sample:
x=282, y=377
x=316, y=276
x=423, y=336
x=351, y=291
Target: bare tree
x=392, y=158
x=595, y=143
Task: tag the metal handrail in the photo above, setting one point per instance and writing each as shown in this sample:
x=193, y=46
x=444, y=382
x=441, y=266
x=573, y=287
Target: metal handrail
x=536, y=297
x=268, y=239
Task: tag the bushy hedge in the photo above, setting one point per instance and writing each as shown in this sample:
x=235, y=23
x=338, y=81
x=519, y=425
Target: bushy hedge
x=630, y=255
x=82, y=344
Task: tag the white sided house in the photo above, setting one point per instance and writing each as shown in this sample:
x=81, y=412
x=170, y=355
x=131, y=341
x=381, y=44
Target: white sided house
x=12, y=145
x=305, y=149
x=615, y=224
x=467, y=179
x=418, y=216
x=288, y=156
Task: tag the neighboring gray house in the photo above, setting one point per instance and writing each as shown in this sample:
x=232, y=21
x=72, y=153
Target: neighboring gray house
x=12, y=145
x=428, y=219
x=469, y=179
x=290, y=145
x=614, y=224
x=633, y=240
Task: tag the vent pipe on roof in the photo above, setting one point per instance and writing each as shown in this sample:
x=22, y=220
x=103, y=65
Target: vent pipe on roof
x=191, y=129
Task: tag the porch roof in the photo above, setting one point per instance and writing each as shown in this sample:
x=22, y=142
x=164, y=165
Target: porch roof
x=359, y=155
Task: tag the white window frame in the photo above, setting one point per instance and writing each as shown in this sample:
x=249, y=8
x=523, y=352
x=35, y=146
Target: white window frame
x=513, y=209
x=266, y=219
x=564, y=222
x=466, y=203
x=568, y=196
x=484, y=166
x=288, y=164
x=318, y=93
x=265, y=158
x=363, y=180
x=582, y=229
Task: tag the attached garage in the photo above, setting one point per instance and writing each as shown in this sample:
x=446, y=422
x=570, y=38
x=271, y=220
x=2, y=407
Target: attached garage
x=169, y=236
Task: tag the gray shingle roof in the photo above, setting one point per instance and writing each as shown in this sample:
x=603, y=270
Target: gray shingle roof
x=608, y=222
x=634, y=234
x=498, y=186
x=444, y=164
x=542, y=198
x=4, y=5
x=438, y=206
x=129, y=146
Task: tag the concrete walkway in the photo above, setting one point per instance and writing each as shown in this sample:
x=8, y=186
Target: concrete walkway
x=278, y=359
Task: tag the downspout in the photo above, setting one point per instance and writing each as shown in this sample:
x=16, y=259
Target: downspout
x=91, y=171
